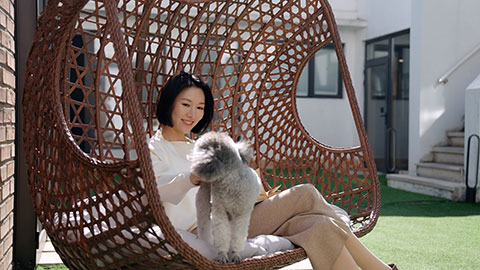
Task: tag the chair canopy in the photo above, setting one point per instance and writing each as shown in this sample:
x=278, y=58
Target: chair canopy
x=94, y=75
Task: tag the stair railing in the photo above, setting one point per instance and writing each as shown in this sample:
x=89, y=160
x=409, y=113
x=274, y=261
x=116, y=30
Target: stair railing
x=444, y=78
x=472, y=191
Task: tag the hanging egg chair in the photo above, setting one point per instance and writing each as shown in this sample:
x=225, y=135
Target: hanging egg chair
x=93, y=79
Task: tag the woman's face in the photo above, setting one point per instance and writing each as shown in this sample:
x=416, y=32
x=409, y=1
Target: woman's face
x=187, y=111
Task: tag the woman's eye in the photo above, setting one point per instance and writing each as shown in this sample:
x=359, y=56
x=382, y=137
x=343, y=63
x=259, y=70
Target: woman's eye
x=200, y=108
x=186, y=104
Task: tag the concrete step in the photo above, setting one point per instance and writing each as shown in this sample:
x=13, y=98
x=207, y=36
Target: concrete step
x=448, y=155
x=453, y=173
x=434, y=187
x=42, y=239
x=48, y=255
x=456, y=138
x=49, y=258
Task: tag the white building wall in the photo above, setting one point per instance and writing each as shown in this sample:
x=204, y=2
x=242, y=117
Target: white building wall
x=442, y=33
x=472, y=126
x=345, y=9
x=330, y=120
x=385, y=16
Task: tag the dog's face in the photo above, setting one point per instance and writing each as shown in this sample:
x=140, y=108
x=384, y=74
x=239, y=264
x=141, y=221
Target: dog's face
x=216, y=154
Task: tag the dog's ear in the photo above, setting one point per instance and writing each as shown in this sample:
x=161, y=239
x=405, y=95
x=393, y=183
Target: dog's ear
x=245, y=150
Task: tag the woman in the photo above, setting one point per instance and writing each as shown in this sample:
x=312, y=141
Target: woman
x=299, y=214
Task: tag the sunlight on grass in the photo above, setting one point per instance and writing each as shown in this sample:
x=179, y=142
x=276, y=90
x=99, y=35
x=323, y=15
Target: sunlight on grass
x=422, y=232
x=52, y=267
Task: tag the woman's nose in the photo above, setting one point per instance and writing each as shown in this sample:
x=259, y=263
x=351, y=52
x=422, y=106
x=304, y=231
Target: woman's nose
x=191, y=112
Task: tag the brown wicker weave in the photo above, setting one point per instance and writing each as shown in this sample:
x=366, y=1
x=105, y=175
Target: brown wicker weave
x=94, y=75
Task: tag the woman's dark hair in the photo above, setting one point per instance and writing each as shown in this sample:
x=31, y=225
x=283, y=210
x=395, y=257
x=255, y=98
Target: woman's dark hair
x=171, y=90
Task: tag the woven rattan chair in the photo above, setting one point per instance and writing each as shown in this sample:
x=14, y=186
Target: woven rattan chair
x=94, y=74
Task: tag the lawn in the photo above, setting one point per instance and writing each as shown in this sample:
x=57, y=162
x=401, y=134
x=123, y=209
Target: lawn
x=422, y=232
x=418, y=232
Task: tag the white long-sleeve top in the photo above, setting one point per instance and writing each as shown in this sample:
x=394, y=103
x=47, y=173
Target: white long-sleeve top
x=172, y=174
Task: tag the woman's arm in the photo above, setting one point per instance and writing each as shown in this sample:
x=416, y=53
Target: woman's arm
x=172, y=186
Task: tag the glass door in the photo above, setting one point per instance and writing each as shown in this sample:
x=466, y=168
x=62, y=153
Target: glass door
x=399, y=102
x=387, y=100
x=376, y=111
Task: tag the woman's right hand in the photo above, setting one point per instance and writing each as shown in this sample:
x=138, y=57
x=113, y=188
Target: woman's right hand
x=196, y=180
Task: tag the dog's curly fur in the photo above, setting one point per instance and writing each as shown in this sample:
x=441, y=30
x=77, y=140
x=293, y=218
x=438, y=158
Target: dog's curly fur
x=230, y=195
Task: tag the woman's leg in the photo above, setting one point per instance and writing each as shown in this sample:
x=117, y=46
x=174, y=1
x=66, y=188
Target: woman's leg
x=269, y=215
x=362, y=256
x=345, y=261
x=302, y=215
x=299, y=213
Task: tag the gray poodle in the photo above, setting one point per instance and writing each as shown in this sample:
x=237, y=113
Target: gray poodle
x=230, y=195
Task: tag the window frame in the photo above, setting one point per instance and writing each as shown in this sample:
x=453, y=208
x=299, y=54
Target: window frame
x=311, y=78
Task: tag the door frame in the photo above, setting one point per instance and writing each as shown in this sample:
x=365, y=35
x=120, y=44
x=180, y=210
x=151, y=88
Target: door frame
x=390, y=132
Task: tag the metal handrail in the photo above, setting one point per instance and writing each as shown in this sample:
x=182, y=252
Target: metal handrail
x=471, y=191
x=444, y=78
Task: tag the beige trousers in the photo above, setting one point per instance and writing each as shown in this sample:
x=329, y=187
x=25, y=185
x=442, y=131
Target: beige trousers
x=302, y=215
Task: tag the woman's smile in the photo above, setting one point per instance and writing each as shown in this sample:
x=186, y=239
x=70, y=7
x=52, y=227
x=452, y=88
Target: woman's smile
x=187, y=122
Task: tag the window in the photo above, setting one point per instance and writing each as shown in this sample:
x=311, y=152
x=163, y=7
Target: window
x=40, y=5
x=321, y=76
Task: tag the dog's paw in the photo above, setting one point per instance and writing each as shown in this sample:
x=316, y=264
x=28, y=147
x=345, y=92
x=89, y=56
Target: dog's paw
x=222, y=257
x=236, y=257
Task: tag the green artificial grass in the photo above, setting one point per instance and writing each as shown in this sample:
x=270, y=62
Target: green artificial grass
x=52, y=267
x=419, y=232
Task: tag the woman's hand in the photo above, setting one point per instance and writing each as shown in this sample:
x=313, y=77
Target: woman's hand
x=196, y=180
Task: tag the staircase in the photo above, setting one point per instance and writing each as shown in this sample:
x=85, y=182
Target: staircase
x=442, y=176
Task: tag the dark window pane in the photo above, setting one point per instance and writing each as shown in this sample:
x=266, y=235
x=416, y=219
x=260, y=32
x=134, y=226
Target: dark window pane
x=400, y=66
x=377, y=49
x=321, y=75
x=325, y=79
x=302, y=86
x=377, y=81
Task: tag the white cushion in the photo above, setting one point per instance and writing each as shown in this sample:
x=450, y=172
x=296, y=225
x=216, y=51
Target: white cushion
x=258, y=246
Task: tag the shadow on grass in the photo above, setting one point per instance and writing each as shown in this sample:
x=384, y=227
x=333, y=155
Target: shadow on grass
x=395, y=202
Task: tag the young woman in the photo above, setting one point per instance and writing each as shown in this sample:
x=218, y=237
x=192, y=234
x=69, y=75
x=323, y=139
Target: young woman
x=299, y=214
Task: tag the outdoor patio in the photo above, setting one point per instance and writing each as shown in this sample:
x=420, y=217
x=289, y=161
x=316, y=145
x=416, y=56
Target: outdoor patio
x=413, y=100
x=414, y=232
